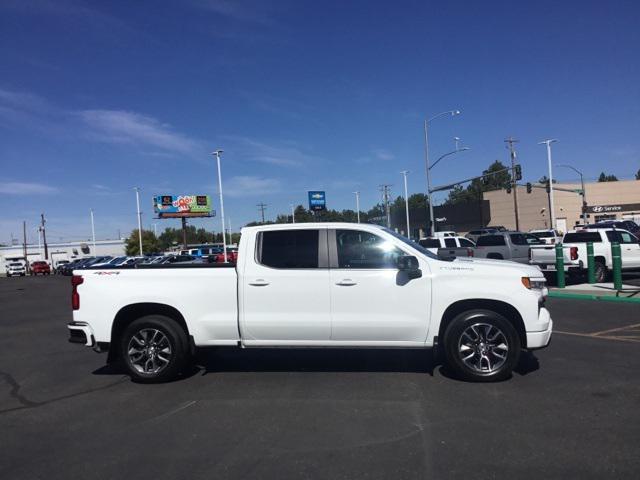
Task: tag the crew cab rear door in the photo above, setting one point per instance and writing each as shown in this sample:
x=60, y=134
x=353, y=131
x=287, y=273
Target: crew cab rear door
x=284, y=289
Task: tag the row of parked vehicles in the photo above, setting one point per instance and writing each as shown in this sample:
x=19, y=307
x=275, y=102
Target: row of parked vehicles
x=538, y=246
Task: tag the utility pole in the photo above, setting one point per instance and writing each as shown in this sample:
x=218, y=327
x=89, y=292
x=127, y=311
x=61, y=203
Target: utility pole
x=512, y=153
x=184, y=233
x=552, y=214
x=139, y=218
x=155, y=229
x=93, y=231
x=293, y=214
x=357, y=194
x=224, y=238
x=386, y=193
x=406, y=201
x=44, y=237
x=24, y=245
x=262, y=207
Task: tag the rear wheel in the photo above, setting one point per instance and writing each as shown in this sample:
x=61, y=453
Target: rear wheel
x=600, y=272
x=482, y=346
x=154, y=349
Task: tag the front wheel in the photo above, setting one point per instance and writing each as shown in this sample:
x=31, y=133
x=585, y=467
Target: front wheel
x=481, y=346
x=154, y=349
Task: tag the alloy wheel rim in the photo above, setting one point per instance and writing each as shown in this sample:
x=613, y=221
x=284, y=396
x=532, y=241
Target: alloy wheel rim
x=483, y=348
x=149, y=351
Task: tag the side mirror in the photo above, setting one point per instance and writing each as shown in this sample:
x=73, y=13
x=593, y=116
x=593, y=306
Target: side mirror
x=409, y=264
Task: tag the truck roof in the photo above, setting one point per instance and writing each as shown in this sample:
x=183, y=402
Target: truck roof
x=290, y=226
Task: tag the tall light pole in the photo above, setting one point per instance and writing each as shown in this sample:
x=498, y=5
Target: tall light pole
x=93, y=232
x=139, y=218
x=293, y=214
x=584, y=192
x=406, y=201
x=357, y=194
x=155, y=229
x=552, y=213
x=224, y=237
x=426, y=160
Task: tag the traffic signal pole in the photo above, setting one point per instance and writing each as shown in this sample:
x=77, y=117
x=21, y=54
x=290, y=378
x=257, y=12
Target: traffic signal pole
x=512, y=153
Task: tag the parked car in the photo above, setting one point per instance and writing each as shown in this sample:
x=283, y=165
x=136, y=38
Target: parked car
x=449, y=247
x=513, y=246
x=180, y=259
x=76, y=264
x=549, y=237
x=474, y=234
x=316, y=285
x=232, y=256
x=628, y=225
x=16, y=269
x=445, y=234
x=58, y=266
x=574, y=247
x=498, y=228
x=40, y=267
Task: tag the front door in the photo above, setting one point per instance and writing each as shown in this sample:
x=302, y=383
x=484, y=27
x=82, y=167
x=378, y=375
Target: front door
x=371, y=301
x=285, y=289
x=629, y=247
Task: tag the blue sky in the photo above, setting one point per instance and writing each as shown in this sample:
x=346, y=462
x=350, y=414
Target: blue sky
x=98, y=97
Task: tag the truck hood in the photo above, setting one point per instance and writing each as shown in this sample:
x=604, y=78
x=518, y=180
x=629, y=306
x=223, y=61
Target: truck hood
x=505, y=265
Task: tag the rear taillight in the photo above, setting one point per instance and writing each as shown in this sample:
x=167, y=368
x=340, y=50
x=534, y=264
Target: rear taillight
x=573, y=251
x=75, y=296
x=469, y=252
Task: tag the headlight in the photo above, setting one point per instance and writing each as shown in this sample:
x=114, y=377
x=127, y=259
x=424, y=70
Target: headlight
x=534, y=283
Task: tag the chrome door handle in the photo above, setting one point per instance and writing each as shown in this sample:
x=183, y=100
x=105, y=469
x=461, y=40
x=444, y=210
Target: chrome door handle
x=347, y=282
x=259, y=283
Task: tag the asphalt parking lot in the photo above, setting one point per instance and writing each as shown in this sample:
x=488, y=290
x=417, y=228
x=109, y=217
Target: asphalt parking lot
x=571, y=410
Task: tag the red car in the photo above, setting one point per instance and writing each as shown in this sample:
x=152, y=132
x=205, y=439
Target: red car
x=40, y=267
x=232, y=256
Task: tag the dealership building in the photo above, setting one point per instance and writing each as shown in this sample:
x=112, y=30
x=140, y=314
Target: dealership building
x=60, y=251
x=604, y=201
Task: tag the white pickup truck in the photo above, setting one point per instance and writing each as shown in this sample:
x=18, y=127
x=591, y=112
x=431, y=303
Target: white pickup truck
x=574, y=248
x=314, y=285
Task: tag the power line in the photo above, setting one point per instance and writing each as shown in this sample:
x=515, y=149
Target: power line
x=386, y=194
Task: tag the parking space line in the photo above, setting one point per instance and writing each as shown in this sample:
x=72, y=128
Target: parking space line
x=617, y=329
x=603, y=337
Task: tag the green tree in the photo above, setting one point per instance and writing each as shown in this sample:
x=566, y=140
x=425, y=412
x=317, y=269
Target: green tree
x=495, y=177
x=150, y=243
x=638, y=174
x=607, y=178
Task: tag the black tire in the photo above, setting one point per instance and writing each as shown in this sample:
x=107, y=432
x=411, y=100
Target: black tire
x=600, y=272
x=497, y=330
x=154, y=353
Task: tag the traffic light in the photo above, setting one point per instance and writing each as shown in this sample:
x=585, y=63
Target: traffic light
x=508, y=187
x=518, y=172
x=529, y=187
x=548, y=188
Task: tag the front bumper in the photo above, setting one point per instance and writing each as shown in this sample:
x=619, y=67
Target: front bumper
x=541, y=339
x=81, y=332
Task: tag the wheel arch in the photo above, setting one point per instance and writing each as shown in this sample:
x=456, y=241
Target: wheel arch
x=126, y=315
x=505, y=309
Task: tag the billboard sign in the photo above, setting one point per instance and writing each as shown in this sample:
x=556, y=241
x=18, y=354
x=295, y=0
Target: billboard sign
x=317, y=201
x=180, y=206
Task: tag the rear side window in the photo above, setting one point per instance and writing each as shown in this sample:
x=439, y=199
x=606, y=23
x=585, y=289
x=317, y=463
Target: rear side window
x=582, y=237
x=289, y=249
x=621, y=237
x=430, y=243
x=466, y=243
x=450, y=242
x=491, y=241
x=518, y=239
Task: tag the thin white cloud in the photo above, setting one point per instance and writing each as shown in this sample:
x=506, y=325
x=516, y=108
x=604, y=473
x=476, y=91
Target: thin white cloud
x=26, y=188
x=382, y=154
x=283, y=155
x=248, y=185
x=122, y=127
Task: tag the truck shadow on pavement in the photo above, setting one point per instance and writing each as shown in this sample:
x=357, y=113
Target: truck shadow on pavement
x=223, y=359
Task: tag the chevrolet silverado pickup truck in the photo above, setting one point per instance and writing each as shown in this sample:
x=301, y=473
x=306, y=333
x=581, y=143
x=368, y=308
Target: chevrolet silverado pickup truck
x=574, y=248
x=314, y=285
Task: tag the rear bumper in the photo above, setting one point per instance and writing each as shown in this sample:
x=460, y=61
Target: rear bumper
x=541, y=339
x=551, y=267
x=80, y=332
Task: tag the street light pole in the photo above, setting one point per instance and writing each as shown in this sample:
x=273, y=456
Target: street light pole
x=357, y=194
x=293, y=214
x=93, y=232
x=552, y=213
x=427, y=167
x=584, y=192
x=406, y=201
x=139, y=218
x=224, y=237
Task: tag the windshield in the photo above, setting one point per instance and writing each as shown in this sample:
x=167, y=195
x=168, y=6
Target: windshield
x=411, y=243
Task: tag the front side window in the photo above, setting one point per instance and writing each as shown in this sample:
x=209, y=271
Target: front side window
x=289, y=248
x=466, y=243
x=450, y=242
x=364, y=250
x=430, y=243
x=491, y=241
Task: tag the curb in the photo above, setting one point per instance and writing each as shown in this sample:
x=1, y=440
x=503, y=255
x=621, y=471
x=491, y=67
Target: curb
x=603, y=298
